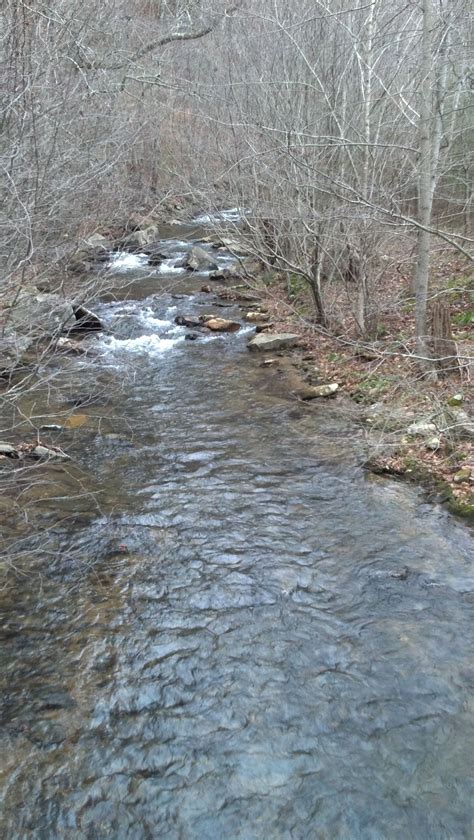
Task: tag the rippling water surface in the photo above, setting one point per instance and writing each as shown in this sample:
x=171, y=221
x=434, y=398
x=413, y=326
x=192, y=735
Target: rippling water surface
x=238, y=635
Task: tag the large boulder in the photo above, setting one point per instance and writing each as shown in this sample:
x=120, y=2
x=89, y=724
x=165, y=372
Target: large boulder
x=140, y=238
x=96, y=242
x=457, y=423
x=233, y=245
x=95, y=248
x=30, y=315
x=33, y=313
x=14, y=352
x=86, y=321
x=138, y=221
x=197, y=259
x=273, y=341
x=221, y=324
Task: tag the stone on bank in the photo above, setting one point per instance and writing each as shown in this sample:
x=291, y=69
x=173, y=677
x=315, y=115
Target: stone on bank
x=272, y=341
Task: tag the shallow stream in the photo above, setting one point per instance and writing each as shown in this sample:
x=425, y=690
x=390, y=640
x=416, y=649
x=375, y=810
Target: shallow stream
x=228, y=631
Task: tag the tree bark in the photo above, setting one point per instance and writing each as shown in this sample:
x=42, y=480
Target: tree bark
x=442, y=343
x=425, y=176
x=316, y=286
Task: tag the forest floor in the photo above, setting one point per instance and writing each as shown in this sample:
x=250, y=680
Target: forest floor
x=385, y=381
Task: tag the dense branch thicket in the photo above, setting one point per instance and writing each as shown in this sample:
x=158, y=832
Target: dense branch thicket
x=326, y=120
x=345, y=127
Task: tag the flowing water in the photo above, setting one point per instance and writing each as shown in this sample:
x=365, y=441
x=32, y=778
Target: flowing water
x=227, y=631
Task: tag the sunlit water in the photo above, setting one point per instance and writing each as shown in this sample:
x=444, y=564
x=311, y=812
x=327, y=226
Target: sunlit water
x=239, y=636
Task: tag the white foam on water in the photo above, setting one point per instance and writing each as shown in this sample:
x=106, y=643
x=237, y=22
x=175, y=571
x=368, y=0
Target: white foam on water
x=149, y=319
x=235, y=214
x=150, y=344
x=168, y=266
x=124, y=261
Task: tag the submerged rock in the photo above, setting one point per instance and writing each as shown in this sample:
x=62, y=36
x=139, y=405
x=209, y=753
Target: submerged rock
x=273, y=341
x=47, y=733
x=55, y=699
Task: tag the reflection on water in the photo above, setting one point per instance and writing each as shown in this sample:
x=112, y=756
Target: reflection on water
x=240, y=637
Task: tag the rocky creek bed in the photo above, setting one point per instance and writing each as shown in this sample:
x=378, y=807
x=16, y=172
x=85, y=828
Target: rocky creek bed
x=214, y=624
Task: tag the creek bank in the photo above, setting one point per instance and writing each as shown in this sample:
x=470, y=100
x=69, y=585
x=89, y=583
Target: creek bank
x=424, y=434
x=439, y=489
x=435, y=452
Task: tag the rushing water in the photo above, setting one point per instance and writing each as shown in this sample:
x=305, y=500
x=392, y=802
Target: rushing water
x=229, y=632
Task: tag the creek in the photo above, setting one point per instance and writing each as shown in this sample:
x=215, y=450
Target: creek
x=224, y=629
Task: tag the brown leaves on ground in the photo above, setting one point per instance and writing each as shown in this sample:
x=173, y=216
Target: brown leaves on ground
x=383, y=370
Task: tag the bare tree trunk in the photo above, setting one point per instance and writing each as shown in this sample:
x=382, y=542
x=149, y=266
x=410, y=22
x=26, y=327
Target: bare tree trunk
x=316, y=285
x=425, y=194
x=355, y=273
x=442, y=343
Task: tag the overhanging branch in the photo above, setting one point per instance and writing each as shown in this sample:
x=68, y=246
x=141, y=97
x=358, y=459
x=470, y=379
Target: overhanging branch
x=172, y=37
